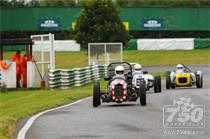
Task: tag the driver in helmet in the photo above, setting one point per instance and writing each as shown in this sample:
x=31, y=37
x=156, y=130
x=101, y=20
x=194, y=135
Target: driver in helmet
x=181, y=69
x=119, y=71
x=137, y=69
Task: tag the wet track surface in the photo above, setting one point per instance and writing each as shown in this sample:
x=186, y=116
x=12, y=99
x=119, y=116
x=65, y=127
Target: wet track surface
x=124, y=121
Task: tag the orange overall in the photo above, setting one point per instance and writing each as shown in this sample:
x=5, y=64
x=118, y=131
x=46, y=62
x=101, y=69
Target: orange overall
x=17, y=59
x=24, y=60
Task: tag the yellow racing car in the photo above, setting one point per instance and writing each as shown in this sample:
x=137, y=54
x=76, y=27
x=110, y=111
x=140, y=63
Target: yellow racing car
x=184, y=77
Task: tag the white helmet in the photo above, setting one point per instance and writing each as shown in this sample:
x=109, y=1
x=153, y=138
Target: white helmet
x=179, y=67
x=119, y=70
x=137, y=67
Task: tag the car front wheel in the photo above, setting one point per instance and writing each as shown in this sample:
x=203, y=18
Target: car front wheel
x=96, y=94
x=142, y=94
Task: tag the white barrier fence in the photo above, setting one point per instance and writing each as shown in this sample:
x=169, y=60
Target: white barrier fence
x=59, y=45
x=64, y=78
x=166, y=44
x=8, y=77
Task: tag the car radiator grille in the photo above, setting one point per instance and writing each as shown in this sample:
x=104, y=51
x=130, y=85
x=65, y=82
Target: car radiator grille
x=118, y=91
x=182, y=80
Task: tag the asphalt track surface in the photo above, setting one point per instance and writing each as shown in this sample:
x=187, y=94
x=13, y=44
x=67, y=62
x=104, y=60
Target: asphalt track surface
x=126, y=120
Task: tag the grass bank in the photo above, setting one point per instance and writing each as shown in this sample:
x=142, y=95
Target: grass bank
x=19, y=104
x=146, y=58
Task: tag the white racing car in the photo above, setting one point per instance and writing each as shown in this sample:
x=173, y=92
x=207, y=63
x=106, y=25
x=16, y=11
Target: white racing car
x=149, y=80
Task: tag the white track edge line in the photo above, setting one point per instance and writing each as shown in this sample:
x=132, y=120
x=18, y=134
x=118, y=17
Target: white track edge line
x=28, y=124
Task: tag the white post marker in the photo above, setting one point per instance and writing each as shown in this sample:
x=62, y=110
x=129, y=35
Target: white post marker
x=52, y=52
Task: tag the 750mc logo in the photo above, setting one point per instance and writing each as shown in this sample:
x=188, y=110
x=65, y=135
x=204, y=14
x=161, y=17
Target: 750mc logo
x=183, y=114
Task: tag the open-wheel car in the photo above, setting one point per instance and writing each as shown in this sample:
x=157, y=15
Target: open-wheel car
x=119, y=86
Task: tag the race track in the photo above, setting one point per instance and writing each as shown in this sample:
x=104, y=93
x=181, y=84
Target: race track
x=127, y=120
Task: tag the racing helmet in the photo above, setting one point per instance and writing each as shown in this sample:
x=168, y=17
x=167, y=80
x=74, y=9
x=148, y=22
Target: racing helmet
x=119, y=70
x=137, y=67
x=179, y=67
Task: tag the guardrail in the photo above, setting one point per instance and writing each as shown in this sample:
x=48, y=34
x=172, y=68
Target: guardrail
x=64, y=78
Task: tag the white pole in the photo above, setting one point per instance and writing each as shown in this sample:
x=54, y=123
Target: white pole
x=106, y=62
x=52, y=53
x=121, y=52
x=42, y=57
x=89, y=54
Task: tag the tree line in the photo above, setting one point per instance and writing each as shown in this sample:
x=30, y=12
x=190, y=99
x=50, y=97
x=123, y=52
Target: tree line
x=122, y=3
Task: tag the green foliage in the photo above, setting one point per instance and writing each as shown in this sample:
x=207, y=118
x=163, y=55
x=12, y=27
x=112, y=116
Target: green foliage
x=124, y=3
x=12, y=3
x=170, y=3
x=99, y=21
x=33, y=3
x=57, y=3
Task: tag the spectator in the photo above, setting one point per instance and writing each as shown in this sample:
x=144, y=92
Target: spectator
x=17, y=59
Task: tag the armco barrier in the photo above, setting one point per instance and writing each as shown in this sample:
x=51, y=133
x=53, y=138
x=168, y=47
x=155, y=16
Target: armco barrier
x=64, y=78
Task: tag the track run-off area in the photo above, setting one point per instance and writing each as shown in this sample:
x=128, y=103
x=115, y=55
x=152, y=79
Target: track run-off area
x=124, y=121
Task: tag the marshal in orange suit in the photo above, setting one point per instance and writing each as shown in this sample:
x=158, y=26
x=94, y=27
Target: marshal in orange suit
x=24, y=60
x=17, y=59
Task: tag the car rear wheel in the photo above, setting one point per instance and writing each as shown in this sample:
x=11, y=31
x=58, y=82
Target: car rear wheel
x=160, y=89
x=142, y=95
x=173, y=86
x=168, y=82
x=157, y=84
x=96, y=94
x=199, y=81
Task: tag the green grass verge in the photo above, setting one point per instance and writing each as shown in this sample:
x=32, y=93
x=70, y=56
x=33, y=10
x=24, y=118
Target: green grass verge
x=65, y=60
x=156, y=58
x=146, y=58
x=19, y=104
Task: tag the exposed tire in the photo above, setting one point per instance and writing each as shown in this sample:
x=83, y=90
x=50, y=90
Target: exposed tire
x=96, y=94
x=160, y=88
x=173, y=86
x=168, y=82
x=199, y=81
x=142, y=95
x=157, y=84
